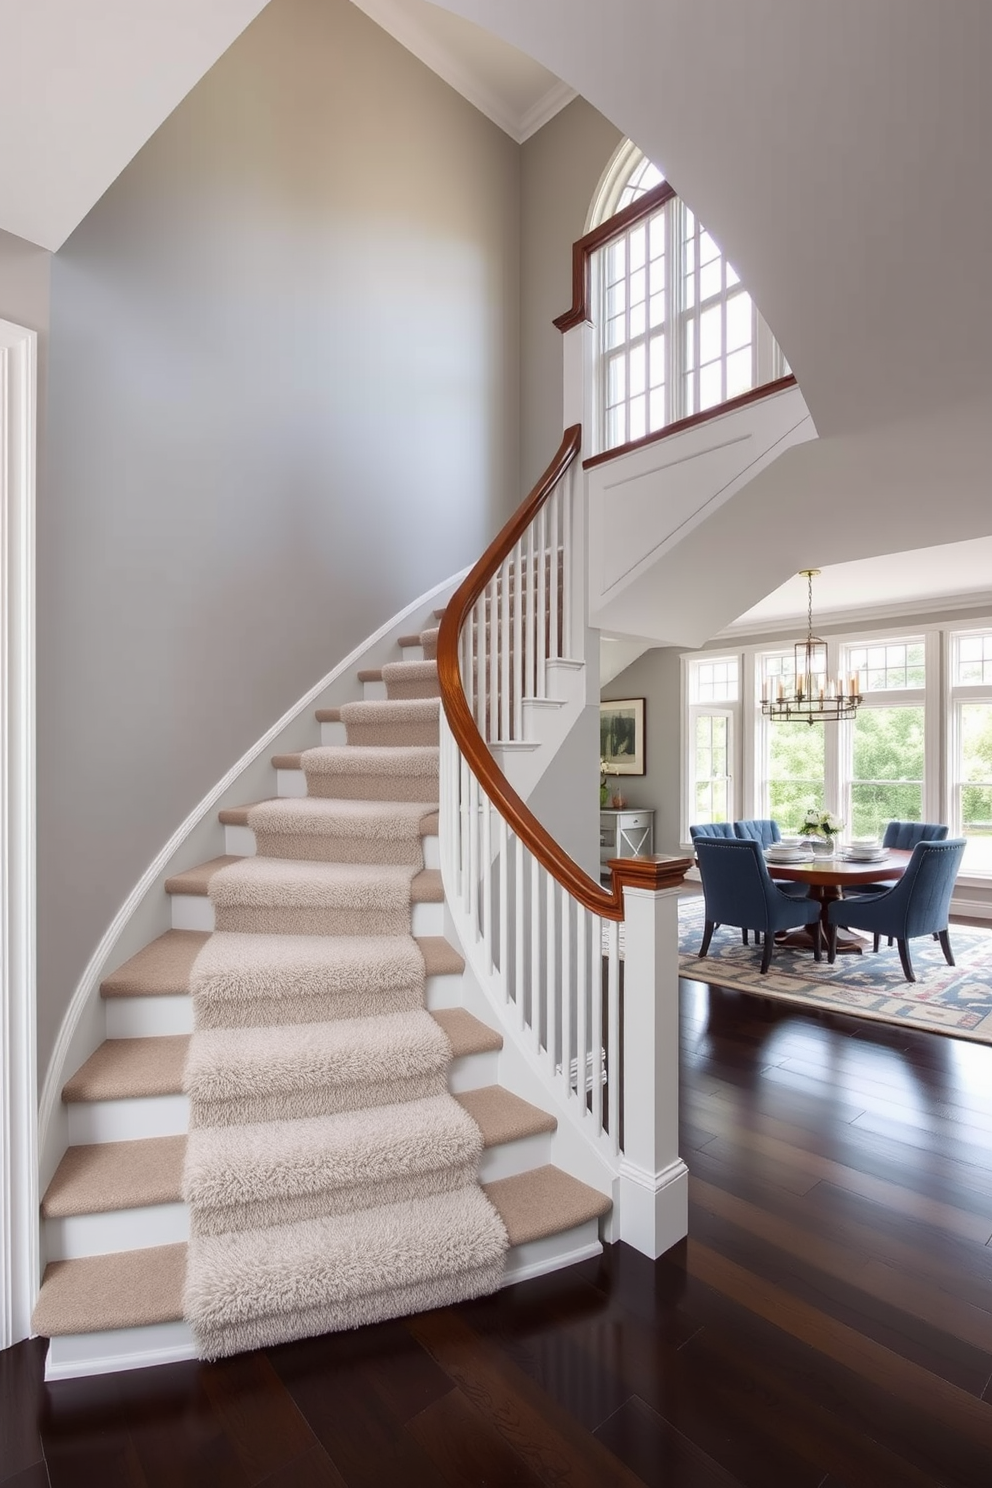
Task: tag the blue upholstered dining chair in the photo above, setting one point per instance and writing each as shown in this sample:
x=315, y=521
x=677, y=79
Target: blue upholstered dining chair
x=712, y=829
x=737, y=890
x=765, y=829
x=716, y=829
x=759, y=829
x=918, y=904
x=905, y=835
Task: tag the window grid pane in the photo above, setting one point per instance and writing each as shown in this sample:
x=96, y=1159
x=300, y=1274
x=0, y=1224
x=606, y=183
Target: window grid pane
x=713, y=349
x=888, y=666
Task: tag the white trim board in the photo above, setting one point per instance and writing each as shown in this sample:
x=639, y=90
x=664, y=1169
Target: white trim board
x=19, y=1240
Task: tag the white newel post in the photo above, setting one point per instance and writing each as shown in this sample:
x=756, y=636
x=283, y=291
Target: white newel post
x=654, y=1181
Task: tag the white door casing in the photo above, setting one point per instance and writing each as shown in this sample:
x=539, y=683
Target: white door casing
x=19, y=1240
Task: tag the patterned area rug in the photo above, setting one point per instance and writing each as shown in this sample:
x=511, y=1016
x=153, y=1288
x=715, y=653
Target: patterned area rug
x=956, y=1000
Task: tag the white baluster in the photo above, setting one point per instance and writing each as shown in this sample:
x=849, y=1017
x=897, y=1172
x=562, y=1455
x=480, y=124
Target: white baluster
x=541, y=616
x=518, y=928
x=518, y=640
x=504, y=908
x=486, y=921
x=552, y=992
x=581, y=1003
x=506, y=654
x=597, y=1024
x=614, y=1056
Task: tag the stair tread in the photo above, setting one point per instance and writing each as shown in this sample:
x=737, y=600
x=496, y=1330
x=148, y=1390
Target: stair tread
x=467, y=1033
x=101, y=1177
x=126, y=1289
x=327, y=715
x=287, y=761
x=162, y=968
x=197, y=880
x=425, y=887
x=237, y=816
x=544, y=1201
x=159, y=969
x=440, y=956
x=502, y=1116
x=122, y=1069
x=155, y=970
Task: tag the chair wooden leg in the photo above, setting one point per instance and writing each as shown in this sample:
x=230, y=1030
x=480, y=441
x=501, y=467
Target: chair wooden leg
x=876, y=941
x=945, y=945
x=831, y=943
x=744, y=939
x=708, y=929
x=907, y=964
x=816, y=927
x=766, y=954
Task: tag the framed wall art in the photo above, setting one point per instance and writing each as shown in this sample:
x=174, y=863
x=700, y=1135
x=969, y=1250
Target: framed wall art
x=621, y=735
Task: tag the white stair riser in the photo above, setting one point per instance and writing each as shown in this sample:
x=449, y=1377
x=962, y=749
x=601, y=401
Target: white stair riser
x=374, y=692
x=427, y=919
x=121, y=1229
x=291, y=783
x=239, y=842
x=510, y=1158
x=195, y=912
x=74, y=1355
x=443, y=991
x=412, y=653
x=335, y=733
x=554, y=1252
x=148, y=1017
x=79, y=1354
x=473, y=1071
x=128, y=1120
x=192, y=912
x=154, y=1017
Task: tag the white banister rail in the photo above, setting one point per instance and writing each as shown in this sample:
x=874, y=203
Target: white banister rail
x=591, y=1002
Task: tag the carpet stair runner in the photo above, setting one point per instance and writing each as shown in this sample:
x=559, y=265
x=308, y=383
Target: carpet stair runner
x=309, y=1116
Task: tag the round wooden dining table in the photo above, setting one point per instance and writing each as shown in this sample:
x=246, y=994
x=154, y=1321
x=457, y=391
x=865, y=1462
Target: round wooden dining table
x=828, y=878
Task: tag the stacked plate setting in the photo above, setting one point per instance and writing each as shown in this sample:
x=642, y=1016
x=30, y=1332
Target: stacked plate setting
x=788, y=852
x=865, y=852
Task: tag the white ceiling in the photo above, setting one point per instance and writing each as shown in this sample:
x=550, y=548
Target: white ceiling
x=952, y=576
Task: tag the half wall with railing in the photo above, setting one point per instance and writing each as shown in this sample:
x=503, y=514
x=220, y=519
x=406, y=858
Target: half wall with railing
x=583, y=978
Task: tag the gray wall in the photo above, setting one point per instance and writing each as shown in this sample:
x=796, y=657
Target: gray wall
x=561, y=167
x=283, y=402
x=655, y=676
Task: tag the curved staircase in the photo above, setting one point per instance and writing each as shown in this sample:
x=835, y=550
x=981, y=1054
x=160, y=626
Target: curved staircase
x=320, y=933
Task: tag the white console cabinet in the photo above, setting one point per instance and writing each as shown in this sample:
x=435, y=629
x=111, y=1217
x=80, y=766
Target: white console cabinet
x=625, y=834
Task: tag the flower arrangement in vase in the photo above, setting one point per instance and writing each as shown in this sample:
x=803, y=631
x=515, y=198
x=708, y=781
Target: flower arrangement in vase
x=823, y=826
x=605, y=771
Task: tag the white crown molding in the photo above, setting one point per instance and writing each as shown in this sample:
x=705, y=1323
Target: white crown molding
x=929, y=604
x=20, y=1261
x=427, y=49
x=544, y=110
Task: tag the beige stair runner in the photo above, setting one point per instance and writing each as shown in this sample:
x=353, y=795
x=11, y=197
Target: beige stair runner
x=330, y=1176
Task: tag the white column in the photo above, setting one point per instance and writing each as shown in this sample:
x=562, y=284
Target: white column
x=654, y=1181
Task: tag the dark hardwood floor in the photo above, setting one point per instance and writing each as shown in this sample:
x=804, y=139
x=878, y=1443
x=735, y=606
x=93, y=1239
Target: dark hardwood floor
x=828, y=1322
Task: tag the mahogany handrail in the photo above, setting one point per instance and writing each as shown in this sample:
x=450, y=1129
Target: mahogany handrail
x=656, y=872
x=584, y=248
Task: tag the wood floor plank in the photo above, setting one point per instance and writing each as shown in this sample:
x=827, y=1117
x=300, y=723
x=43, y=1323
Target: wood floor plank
x=466, y=1448
x=660, y=1455
x=538, y=1430
x=919, y=1390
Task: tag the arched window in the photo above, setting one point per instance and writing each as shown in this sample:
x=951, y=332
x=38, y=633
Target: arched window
x=677, y=332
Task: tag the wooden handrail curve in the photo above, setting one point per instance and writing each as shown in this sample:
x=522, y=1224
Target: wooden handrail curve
x=658, y=872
